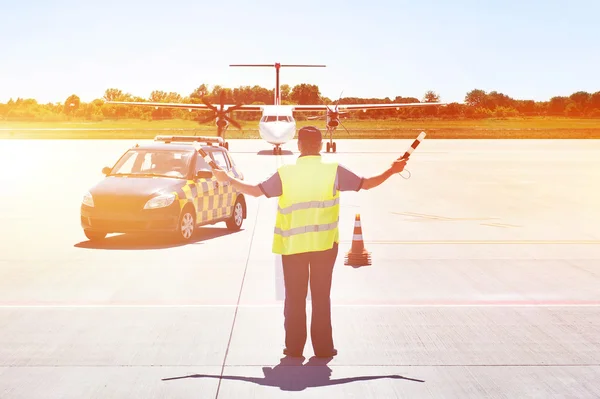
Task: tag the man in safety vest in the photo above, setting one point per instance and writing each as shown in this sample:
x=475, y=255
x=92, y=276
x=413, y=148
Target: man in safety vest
x=306, y=234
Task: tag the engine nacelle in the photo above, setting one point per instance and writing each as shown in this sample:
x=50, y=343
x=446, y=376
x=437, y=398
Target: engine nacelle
x=222, y=123
x=333, y=122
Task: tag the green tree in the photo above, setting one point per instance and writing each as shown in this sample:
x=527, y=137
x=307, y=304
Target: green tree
x=581, y=99
x=594, y=103
x=198, y=93
x=285, y=90
x=431, y=97
x=557, y=105
x=305, y=93
x=476, y=98
x=71, y=105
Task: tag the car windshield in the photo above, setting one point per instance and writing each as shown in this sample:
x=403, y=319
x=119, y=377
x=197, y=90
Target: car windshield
x=166, y=163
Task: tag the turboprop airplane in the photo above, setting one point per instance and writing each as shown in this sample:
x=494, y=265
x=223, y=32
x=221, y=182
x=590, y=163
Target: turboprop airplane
x=277, y=125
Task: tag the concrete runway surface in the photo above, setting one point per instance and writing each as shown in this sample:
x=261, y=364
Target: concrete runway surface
x=485, y=281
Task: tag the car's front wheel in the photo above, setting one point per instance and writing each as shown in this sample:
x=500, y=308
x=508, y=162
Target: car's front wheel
x=94, y=235
x=237, y=216
x=187, y=224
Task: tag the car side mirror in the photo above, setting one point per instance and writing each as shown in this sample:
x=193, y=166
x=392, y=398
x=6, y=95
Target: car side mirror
x=106, y=171
x=204, y=174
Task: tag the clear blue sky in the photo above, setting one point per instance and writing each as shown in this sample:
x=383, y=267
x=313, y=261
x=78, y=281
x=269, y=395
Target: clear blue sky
x=525, y=49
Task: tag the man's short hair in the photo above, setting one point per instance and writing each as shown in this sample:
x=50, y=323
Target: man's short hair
x=310, y=133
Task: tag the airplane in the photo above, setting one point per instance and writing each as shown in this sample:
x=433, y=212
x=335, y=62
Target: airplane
x=277, y=125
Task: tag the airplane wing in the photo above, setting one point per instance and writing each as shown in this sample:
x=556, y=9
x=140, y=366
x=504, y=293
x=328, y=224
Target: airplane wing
x=243, y=107
x=357, y=107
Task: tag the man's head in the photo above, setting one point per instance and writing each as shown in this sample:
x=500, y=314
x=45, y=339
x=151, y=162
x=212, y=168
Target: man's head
x=310, y=140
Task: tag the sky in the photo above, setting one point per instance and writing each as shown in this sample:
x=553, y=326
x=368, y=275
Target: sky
x=526, y=49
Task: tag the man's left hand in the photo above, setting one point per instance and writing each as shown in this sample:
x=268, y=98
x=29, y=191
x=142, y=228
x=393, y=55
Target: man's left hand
x=398, y=165
x=221, y=175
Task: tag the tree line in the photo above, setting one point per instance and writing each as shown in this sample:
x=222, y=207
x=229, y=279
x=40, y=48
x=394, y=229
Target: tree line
x=478, y=104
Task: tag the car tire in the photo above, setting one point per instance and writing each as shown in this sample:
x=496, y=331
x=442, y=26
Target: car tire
x=187, y=224
x=237, y=216
x=94, y=235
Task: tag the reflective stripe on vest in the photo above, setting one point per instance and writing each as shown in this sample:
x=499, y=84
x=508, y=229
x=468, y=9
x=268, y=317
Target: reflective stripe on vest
x=306, y=229
x=308, y=209
x=307, y=205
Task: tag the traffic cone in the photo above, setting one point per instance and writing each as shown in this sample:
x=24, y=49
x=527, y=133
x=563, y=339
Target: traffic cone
x=358, y=255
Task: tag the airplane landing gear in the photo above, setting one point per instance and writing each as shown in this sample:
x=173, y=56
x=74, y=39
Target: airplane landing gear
x=276, y=150
x=330, y=144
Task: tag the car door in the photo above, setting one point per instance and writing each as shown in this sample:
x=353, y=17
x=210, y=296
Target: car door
x=205, y=196
x=224, y=193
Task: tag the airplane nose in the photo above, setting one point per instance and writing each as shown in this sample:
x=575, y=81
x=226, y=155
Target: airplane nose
x=278, y=132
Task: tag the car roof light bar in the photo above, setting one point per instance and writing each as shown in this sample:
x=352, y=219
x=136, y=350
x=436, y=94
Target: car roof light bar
x=189, y=139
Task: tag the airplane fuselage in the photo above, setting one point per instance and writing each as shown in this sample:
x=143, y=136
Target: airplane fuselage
x=277, y=125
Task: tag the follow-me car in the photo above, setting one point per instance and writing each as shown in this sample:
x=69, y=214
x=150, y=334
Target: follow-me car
x=164, y=186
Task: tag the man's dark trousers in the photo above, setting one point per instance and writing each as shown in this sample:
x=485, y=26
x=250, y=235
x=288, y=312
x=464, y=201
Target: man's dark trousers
x=296, y=271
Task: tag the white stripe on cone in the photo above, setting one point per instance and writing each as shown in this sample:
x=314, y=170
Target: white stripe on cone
x=357, y=237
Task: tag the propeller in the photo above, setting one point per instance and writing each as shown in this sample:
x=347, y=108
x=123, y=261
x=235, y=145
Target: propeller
x=220, y=114
x=333, y=116
x=340, y=122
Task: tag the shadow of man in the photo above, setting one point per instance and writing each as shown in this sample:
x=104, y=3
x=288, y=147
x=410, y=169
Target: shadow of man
x=291, y=375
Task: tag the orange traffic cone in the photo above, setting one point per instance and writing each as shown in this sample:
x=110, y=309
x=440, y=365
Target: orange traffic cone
x=358, y=255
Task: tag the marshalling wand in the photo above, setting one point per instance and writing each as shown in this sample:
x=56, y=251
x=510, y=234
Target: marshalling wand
x=412, y=147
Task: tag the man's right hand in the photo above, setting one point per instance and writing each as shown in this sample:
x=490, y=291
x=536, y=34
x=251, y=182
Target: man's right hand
x=221, y=175
x=398, y=165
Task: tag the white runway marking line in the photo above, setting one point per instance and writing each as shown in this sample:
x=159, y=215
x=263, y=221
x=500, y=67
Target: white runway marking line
x=485, y=242
x=278, y=305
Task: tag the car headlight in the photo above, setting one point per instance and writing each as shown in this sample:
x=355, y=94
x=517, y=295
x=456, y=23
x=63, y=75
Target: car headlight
x=87, y=199
x=160, y=201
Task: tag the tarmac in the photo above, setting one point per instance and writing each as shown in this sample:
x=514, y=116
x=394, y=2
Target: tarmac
x=484, y=281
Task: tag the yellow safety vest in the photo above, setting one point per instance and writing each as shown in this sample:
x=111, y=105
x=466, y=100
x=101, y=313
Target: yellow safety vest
x=308, y=209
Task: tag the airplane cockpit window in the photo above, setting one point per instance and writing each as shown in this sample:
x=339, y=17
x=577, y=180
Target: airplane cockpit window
x=275, y=118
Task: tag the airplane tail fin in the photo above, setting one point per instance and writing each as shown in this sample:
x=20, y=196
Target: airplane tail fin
x=277, y=65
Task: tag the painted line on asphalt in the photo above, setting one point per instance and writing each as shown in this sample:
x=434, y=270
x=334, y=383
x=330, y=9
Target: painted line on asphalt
x=485, y=242
x=334, y=305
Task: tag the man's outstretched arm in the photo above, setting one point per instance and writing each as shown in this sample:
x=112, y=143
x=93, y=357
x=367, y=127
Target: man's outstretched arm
x=249, y=189
x=372, y=182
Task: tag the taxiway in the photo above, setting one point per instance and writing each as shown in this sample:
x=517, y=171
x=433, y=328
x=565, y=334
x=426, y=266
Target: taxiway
x=484, y=283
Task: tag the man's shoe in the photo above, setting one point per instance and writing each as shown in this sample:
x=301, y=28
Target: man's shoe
x=287, y=352
x=333, y=353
